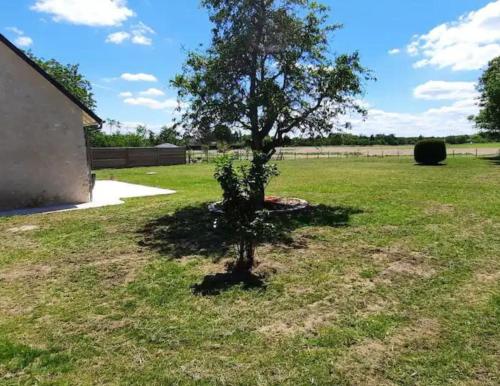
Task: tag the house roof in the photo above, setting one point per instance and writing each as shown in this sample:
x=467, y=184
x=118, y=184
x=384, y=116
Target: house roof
x=167, y=145
x=90, y=117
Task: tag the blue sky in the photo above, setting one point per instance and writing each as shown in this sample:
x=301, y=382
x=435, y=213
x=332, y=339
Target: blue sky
x=426, y=54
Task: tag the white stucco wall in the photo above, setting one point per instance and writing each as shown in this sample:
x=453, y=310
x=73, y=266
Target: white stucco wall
x=43, y=156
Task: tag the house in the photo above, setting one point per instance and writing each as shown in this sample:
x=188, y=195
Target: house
x=43, y=149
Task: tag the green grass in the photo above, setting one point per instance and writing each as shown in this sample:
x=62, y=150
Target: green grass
x=396, y=279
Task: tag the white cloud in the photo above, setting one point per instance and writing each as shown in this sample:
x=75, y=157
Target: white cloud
x=141, y=77
x=152, y=103
x=126, y=94
x=394, y=51
x=23, y=41
x=97, y=13
x=152, y=92
x=118, y=37
x=142, y=40
x=440, y=90
x=442, y=121
x=15, y=30
x=139, y=34
x=466, y=44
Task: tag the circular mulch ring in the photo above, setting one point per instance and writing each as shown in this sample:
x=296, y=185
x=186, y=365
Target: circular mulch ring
x=273, y=204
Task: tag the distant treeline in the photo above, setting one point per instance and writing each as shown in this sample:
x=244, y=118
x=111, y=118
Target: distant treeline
x=223, y=137
x=141, y=137
x=381, y=139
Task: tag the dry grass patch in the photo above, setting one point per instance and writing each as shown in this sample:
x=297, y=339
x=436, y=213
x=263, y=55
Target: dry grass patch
x=26, y=272
x=365, y=363
x=398, y=262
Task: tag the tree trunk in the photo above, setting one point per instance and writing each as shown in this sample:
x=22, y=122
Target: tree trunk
x=246, y=259
x=259, y=189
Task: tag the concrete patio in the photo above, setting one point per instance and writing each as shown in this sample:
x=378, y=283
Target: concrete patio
x=105, y=193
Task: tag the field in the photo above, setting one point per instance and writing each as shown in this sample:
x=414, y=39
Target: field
x=393, y=278
x=291, y=153
x=483, y=149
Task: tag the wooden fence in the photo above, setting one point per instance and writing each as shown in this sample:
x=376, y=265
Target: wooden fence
x=114, y=158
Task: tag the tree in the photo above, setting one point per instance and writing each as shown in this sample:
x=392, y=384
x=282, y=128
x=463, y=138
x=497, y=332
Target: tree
x=223, y=133
x=488, y=118
x=168, y=134
x=268, y=72
x=70, y=77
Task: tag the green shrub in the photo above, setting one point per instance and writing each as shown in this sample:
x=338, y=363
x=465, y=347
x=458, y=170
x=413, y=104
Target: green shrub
x=430, y=152
x=244, y=221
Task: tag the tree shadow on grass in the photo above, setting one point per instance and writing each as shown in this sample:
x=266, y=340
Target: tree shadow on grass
x=215, y=284
x=191, y=231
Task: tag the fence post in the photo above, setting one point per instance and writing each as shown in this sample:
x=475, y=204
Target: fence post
x=476, y=153
x=295, y=155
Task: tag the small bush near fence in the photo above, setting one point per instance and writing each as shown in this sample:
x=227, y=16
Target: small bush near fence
x=430, y=152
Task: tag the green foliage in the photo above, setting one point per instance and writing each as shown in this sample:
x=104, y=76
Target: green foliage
x=268, y=72
x=244, y=217
x=168, y=134
x=223, y=134
x=430, y=152
x=489, y=88
x=142, y=137
x=70, y=77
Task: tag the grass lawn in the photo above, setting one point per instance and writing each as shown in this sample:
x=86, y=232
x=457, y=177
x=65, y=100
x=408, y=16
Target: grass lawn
x=394, y=279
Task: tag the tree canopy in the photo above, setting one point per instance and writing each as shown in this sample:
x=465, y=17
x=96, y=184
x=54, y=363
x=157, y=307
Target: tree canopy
x=488, y=118
x=269, y=72
x=70, y=77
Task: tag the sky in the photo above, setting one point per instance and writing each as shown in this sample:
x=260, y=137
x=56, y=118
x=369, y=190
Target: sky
x=427, y=55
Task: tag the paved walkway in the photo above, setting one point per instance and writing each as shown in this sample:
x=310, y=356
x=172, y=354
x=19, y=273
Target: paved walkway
x=105, y=193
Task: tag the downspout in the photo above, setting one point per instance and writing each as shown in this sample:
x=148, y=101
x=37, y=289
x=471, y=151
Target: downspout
x=92, y=176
